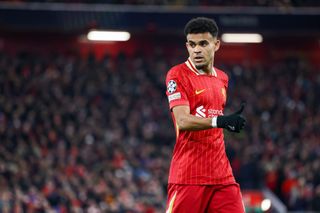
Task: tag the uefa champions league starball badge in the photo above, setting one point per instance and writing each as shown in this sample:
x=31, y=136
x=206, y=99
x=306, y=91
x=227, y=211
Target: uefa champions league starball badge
x=172, y=86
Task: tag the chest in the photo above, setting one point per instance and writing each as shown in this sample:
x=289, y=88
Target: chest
x=207, y=92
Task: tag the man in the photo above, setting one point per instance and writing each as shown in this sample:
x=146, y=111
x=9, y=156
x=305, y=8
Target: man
x=201, y=179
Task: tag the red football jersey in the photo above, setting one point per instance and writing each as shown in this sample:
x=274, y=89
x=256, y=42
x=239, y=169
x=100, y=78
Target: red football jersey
x=199, y=157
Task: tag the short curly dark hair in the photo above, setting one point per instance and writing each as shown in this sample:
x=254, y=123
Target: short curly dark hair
x=201, y=25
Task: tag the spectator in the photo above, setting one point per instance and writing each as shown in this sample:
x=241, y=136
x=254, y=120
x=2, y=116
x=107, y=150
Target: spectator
x=94, y=135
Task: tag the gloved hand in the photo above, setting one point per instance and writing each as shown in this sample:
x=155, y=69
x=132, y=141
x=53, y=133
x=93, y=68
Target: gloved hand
x=234, y=122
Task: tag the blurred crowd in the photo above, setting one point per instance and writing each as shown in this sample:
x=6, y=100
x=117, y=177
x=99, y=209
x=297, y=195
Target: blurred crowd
x=280, y=148
x=258, y=3
x=88, y=135
x=82, y=135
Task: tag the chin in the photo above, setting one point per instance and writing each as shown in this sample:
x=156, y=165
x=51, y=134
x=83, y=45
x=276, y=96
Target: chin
x=199, y=66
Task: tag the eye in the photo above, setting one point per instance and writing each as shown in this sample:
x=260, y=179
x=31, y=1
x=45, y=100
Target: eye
x=192, y=44
x=203, y=43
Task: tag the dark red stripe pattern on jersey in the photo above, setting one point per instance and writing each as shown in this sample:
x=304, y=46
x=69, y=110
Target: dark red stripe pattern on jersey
x=199, y=157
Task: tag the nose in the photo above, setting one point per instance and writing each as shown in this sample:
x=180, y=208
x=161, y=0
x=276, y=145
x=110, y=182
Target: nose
x=197, y=49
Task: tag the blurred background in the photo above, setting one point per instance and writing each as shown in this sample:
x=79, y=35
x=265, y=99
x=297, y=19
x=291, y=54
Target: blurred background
x=85, y=124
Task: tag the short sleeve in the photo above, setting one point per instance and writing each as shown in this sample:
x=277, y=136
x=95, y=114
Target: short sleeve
x=176, y=91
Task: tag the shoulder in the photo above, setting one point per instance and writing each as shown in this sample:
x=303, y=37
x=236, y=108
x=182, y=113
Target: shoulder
x=222, y=75
x=176, y=71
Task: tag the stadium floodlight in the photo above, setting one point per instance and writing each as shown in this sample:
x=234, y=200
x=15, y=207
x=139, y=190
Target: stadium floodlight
x=241, y=38
x=265, y=205
x=101, y=35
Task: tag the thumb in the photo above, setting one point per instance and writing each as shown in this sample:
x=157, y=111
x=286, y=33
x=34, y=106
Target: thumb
x=241, y=109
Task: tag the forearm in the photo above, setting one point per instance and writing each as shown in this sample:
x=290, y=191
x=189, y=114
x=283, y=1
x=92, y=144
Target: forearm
x=186, y=121
x=191, y=122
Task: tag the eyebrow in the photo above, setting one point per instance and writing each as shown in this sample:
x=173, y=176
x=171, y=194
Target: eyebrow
x=198, y=41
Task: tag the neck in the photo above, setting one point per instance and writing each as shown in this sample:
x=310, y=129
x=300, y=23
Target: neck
x=207, y=69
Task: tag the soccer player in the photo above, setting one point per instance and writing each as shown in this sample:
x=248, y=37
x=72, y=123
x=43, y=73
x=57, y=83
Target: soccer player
x=201, y=178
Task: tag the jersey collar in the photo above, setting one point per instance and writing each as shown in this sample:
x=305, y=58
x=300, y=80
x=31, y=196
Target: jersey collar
x=191, y=66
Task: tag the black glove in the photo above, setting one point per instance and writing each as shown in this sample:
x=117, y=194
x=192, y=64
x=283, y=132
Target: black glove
x=234, y=122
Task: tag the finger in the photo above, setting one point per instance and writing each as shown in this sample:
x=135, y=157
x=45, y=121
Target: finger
x=241, y=109
x=243, y=121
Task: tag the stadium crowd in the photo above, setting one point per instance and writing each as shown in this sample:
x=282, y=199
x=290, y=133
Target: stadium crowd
x=95, y=135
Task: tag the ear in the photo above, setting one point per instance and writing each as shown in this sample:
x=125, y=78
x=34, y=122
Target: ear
x=217, y=45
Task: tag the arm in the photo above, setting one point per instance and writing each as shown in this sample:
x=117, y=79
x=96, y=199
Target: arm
x=185, y=121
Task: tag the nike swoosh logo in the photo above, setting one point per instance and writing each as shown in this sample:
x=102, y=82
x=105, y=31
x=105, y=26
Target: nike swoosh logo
x=231, y=127
x=200, y=91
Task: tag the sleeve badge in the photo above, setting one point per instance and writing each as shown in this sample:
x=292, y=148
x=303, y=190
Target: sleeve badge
x=172, y=86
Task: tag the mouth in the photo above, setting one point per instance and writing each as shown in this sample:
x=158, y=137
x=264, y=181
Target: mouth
x=198, y=59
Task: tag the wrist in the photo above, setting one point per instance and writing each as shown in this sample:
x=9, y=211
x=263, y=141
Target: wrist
x=214, y=122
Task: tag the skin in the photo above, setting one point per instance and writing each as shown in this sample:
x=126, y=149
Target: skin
x=201, y=48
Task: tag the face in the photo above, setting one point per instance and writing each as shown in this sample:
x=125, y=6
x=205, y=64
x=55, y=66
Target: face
x=201, y=48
